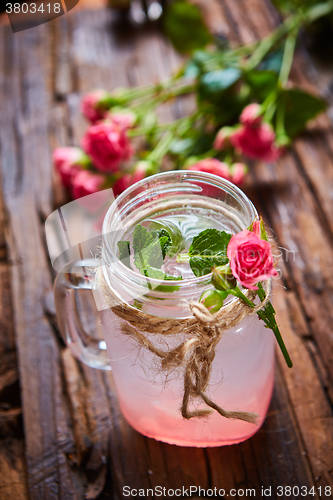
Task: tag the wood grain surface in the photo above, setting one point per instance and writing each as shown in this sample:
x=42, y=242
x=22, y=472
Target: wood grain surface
x=61, y=432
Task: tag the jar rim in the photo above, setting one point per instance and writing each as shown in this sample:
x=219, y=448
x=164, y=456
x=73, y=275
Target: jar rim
x=183, y=176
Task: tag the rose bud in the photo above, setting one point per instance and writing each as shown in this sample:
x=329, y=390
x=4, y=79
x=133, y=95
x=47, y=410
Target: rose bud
x=141, y=170
x=68, y=162
x=211, y=166
x=86, y=182
x=255, y=228
x=213, y=300
x=223, y=278
x=222, y=141
x=238, y=173
x=257, y=143
x=125, y=118
x=258, y=227
x=108, y=145
x=251, y=115
x=93, y=105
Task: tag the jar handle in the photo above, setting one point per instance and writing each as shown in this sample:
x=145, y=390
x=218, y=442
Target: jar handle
x=77, y=314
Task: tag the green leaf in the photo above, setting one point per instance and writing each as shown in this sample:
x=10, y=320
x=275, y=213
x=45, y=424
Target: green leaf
x=208, y=249
x=147, y=249
x=167, y=229
x=215, y=82
x=152, y=272
x=197, y=64
x=300, y=107
x=185, y=27
x=218, y=95
x=124, y=252
x=191, y=70
x=150, y=248
x=261, y=83
x=164, y=242
x=287, y=6
x=273, y=61
x=263, y=233
x=182, y=146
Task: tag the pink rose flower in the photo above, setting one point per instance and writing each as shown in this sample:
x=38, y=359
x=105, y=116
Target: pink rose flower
x=66, y=162
x=91, y=106
x=222, y=138
x=250, y=115
x=141, y=170
x=256, y=142
x=108, y=145
x=238, y=173
x=125, y=119
x=250, y=259
x=123, y=183
x=86, y=182
x=211, y=166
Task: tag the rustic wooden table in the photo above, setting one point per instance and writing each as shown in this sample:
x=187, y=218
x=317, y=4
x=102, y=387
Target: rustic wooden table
x=61, y=433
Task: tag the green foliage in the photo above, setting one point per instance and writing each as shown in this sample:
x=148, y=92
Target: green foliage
x=215, y=82
x=124, y=252
x=150, y=248
x=197, y=63
x=147, y=247
x=299, y=107
x=158, y=274
x=213, y=299
x=198, y=142
x=164, y=228
x=272, y=61
x=185, y=27
x=287, y=6
x=223, y=278
x=208, y=249
x=261, y=83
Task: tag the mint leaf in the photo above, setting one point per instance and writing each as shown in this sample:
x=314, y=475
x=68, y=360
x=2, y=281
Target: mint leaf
x=152, y=272
x=147, y=248
x=164, y=242
x=150, y=248
x=124, y=252
x=185, y=27
x=208, y=249
x=300, y=107
x=165, y=228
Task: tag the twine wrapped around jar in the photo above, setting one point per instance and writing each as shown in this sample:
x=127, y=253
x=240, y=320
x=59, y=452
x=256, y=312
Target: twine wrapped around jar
x=196, y=353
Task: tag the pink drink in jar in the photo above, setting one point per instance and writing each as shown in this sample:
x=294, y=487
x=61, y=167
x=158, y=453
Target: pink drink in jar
x=243, y=368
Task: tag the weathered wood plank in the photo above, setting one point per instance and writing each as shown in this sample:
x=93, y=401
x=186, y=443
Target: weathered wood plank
x=13, y=477
x=26, y=171
x=293, y=209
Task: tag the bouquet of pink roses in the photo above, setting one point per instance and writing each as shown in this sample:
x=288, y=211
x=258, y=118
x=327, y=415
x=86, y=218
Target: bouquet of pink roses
x=245, y=109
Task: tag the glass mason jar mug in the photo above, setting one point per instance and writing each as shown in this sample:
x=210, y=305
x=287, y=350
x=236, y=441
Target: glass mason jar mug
x=102, y=306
